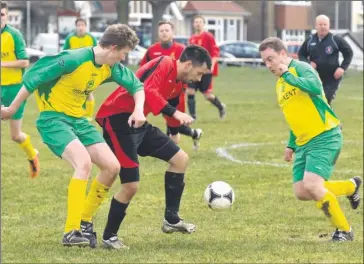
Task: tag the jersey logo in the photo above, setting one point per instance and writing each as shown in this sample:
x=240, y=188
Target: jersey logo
x=90, y=84
x=312, y=43
x=157, y=53
x=61, y=63
x=328, y=50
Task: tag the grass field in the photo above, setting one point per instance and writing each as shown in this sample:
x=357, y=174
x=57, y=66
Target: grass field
x=266, y=224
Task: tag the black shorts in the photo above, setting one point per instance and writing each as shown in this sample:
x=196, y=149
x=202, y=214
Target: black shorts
x=205, y=85
x=127, y=143
x=331, y=85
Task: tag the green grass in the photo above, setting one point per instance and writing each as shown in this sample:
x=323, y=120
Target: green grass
x=266, y=224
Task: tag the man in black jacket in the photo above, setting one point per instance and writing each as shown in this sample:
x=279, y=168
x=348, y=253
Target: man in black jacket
x=321, y=50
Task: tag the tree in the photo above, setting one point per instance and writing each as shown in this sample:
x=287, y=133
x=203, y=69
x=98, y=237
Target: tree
x=122, y=7
x=158, y=9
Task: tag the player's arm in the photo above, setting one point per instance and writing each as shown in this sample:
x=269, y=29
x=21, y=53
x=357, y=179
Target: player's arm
x=67, y=44
x=292, y=141
x=45, y=70
x=127, y=79
x=172, y=123
x=20, y=53
x=346, y=50
x=303, y=51
x=213, y=50
x=308, y=80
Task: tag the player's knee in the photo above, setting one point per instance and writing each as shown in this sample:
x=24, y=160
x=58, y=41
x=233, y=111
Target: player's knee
x=129, y=189
x=113, y=168
x=16, y=138
x=208, y=96
x=180, y=160
x=302, y=195
x=83, y=168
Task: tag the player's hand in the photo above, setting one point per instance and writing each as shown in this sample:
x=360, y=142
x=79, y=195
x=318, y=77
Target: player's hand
x=6, y=112
x=137, y=119
x=175, y=138
x=339, y=73
x=282, y=68
x=313, y=65
x=288, y=153
x=183, y=118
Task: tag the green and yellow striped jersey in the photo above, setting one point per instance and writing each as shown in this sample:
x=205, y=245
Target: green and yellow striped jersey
x=63, y=82
x=302, y=99
x=75, y=42
x=12, y=48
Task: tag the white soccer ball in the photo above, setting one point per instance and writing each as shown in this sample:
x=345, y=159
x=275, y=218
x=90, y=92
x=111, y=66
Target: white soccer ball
x=219, y=195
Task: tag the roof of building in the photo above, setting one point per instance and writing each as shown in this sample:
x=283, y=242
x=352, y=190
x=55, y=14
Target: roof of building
x=214, y=7
x=356, y=37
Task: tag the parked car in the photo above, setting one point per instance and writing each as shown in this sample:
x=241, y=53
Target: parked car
x=181, y=39
x=240, y=50
x=136, y=55
x=34, y=54
x=293, y=48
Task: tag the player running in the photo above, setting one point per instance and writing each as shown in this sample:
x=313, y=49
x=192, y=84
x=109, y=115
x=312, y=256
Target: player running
x=163, y=80
x=315, y=136
x=168, y=47
x=82, y=39
x=13, y=61
x=61, y=84
x=205, y=39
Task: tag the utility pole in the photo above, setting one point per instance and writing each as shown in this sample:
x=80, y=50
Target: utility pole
x=28, y=23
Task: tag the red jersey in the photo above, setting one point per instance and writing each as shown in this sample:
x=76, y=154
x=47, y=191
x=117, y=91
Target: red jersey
x=160, y=86
x=207, y=40
x=157, y=50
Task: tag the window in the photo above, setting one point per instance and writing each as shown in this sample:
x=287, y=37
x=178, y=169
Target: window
x=231, y=22
x=225, y=29
x=238, y=30
x=211, y=22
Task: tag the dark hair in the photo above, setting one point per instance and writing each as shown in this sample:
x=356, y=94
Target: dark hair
x=274, y=43
x=80, y=20
x=164, y=22
x=197, y=54
x=120, y=35
x=4, y=5
x=199, y=16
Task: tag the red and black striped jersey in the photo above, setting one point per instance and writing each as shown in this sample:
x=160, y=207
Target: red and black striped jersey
x=157, y=50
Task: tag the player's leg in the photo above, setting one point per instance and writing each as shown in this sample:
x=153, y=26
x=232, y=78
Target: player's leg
x=331, y=85
x=90, y=106
x=206, y=90
x=76, y=154
x=124, y=142
x=157, y=144
x=58, y=132
x=298, y=172
x=322, y=153
x=23, y=140
x=102, y=156
x=191, y=100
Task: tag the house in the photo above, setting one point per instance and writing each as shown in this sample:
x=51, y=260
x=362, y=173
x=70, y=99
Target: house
x=226, y=20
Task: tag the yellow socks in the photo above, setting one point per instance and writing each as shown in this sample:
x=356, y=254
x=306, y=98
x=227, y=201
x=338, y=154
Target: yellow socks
x=339, y=188
x=96, y=195
x=90, y=106
x=76, y=202
x=28, y=148
x=330, y=206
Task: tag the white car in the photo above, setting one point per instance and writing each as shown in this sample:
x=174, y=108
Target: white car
x=34, y=54
x=46, y=42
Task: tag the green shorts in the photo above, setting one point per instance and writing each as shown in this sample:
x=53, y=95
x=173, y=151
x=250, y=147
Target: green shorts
x=319, y=155
x=58, y=130
x=8, y=94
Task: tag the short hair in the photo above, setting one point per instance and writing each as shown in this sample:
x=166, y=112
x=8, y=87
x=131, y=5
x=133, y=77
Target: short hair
x=80, y=19
x=120, y=35
x=4, y=5
x=199, y=16
x=197, y=54
x=165, y=22
x=274, y=43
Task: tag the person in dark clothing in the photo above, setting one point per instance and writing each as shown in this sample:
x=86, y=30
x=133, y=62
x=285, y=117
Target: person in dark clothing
x=321, y=50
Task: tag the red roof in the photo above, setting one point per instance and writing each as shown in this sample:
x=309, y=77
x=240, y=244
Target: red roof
x=108, y=6
x=211, y=6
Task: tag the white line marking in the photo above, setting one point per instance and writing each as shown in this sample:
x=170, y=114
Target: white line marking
x=224, y=153
x=354, y=98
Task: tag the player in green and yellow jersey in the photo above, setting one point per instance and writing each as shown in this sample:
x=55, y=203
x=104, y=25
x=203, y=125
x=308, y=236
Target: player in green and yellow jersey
x=82, y=39
x=61, y=84
x=13, y=61
x=315, y=136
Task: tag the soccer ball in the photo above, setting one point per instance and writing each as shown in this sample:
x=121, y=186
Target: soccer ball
x=219, y=195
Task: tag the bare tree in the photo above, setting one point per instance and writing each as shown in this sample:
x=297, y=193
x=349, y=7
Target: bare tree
x=158, y=9
x=122, y=7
